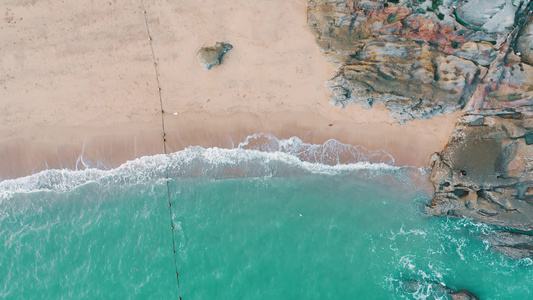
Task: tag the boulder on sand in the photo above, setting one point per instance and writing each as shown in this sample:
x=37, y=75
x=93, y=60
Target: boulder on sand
x=212, y=55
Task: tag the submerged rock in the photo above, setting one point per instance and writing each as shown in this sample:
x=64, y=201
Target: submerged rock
x=425, y=58
x=437, y=289
x=513, y=244
x=212, y=55
x=463, y=295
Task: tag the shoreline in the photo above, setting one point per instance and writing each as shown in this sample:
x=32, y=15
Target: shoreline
x=92, y=88
x=410, y=144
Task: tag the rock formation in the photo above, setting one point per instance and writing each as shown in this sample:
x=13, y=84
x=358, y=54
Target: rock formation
x=486, y=170
x=423, y=58
x=413, y=286
x=212, y=55
x=463, y=295
x=512, y=244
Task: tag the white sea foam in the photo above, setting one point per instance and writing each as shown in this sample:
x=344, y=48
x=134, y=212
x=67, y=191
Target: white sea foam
x=271, y=157
x=402, y=232
x=332, y=152
x=416, y=289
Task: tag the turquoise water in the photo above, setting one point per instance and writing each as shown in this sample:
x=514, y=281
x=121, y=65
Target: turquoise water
x=248, y=225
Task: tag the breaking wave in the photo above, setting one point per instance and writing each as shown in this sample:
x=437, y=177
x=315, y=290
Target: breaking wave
x=259, y=155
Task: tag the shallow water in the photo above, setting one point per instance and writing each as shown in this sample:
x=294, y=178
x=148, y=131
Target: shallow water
x=248, y=225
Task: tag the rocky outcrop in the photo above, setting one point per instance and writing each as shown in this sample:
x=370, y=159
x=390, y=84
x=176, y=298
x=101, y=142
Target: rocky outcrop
x=425, y=58
x=212, y=56
x=438, y=289
x=513, y=244
x=486, y=171
x=463, y=295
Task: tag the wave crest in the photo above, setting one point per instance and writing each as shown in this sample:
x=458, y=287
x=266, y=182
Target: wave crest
x=332, y=152
x=258, y=156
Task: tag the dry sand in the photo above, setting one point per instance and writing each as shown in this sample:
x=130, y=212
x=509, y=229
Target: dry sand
x=78, y=79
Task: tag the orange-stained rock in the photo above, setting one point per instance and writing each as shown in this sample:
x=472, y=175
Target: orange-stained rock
x=422, y=60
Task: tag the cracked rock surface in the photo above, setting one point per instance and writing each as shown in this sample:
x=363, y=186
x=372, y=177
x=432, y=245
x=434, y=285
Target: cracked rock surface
x=486, y=171
x=426, y=58
x=423, y=58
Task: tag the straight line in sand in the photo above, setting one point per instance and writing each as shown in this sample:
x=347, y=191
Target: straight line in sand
x=174, y=255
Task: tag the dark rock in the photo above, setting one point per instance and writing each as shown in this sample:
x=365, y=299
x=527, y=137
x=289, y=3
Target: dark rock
x=463, y=295
x=513, y=244
x=212, y=56
x=439, y=290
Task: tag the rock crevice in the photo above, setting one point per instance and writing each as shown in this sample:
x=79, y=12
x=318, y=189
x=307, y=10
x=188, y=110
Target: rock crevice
x=425, y=58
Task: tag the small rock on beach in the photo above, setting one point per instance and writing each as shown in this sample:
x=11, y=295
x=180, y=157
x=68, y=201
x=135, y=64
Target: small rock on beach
x=212, y=55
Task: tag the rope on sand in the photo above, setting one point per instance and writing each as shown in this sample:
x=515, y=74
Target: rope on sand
x=164, y=148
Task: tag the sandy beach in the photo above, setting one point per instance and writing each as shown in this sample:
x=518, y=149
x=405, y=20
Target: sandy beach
x=79, y=83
